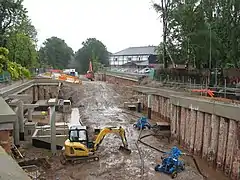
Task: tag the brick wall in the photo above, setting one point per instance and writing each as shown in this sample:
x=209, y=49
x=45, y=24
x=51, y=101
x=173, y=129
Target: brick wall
x=6, y=140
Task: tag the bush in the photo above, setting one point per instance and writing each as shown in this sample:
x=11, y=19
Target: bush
x=16, y=70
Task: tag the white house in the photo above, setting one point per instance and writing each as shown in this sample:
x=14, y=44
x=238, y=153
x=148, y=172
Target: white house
x=139, y=56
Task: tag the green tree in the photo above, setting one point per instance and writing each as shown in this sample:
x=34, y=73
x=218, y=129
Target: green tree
x=11, y=14
x=22, y=50
x=56, y=53
x=94, y=50
x=15, y=69
x=206, y=33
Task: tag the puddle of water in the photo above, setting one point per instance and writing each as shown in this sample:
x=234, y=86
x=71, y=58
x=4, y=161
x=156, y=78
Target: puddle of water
x=111, y=111
x=75, y=117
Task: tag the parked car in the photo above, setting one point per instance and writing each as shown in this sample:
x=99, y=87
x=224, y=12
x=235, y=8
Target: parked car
x=144, y=71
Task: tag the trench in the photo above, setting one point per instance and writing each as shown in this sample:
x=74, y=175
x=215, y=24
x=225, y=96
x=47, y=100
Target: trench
x=97, y=104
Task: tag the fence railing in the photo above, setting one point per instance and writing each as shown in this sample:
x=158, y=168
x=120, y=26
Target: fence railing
x=189, y=85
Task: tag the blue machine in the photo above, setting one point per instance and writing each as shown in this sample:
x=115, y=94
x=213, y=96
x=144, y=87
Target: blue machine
x=142, y=123
x=171, y=163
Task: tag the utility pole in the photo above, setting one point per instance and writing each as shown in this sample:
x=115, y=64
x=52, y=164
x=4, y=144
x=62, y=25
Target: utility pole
x=164, y=32
x=210, y=48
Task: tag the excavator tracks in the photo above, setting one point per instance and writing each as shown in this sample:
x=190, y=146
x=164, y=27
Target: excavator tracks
x=77, y=160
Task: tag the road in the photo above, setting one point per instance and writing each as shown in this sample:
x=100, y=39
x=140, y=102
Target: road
x=98, y=105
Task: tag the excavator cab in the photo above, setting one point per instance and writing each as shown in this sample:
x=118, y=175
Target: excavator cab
x=79, y=134
x=78, y=147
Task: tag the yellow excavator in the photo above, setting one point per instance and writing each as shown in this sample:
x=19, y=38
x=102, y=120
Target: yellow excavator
x=78, y=148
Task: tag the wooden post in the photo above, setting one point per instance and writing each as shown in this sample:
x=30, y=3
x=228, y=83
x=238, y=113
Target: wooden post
x=149, y=106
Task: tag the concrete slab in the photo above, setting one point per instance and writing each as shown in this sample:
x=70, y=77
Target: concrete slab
x=30, y=106
x=7, y=115
x=42, y=102
x=52, y=102
x=10, y=169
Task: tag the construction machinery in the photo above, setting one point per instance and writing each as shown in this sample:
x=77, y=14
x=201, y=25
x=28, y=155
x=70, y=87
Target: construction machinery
x=171, y=163
x=79, y=148
x=65, y=105
x=90, y=73
x=142, y=123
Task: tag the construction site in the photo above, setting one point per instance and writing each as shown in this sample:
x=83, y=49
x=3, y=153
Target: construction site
x=55, y=129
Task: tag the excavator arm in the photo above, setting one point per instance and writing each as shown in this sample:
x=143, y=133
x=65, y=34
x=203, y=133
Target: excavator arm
x=112, y=130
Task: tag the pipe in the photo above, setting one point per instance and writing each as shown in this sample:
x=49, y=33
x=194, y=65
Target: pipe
x=159, y=150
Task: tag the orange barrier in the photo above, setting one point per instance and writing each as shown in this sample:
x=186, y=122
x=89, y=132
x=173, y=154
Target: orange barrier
x=208, y=91
x=68, y=78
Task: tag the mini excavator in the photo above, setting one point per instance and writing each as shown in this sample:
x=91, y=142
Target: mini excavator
x=78, y=148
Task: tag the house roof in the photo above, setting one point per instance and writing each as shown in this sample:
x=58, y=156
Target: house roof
x=144, y=50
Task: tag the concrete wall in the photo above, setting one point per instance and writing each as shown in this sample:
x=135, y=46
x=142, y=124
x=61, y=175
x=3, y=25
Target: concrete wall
x=207, y=129
x=41, y=92
x=113, y=79
x=42, y=139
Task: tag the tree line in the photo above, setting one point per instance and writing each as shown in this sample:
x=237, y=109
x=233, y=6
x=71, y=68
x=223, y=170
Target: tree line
x=18, y=46
x=204, y=33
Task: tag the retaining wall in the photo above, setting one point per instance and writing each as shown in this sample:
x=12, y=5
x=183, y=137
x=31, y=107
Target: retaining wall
x=205, y=128
x=115, y=79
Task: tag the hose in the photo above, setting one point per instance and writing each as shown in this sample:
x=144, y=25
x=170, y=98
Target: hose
x=197, y=166
x=159, y=150
x=140, y=154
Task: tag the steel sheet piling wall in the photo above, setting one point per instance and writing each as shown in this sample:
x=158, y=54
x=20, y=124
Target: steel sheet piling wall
x=212, y=137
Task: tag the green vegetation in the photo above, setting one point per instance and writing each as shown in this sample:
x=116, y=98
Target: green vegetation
x=200, y=32
x=18, y=39
x=55, y=53
x=94, y=50
x=16, y=70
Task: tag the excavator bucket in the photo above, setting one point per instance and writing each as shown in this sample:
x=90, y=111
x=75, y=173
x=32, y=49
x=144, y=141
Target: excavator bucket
x=125, y=150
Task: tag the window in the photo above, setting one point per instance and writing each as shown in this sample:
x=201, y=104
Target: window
x=129, y=59
x=77, y=136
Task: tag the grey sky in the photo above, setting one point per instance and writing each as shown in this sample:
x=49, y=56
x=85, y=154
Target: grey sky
x=118, y=24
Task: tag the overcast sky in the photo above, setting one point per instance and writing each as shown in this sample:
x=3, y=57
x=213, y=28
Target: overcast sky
x=119, y=24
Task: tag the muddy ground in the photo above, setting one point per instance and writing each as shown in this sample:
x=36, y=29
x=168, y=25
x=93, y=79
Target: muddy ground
x=99, y=105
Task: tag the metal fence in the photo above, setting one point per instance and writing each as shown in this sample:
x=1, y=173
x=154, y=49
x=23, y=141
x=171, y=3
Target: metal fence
x=224, y=91
x=5, y=77
x=184, y=84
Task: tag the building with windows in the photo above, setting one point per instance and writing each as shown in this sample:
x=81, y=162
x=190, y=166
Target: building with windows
x=144, y=56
